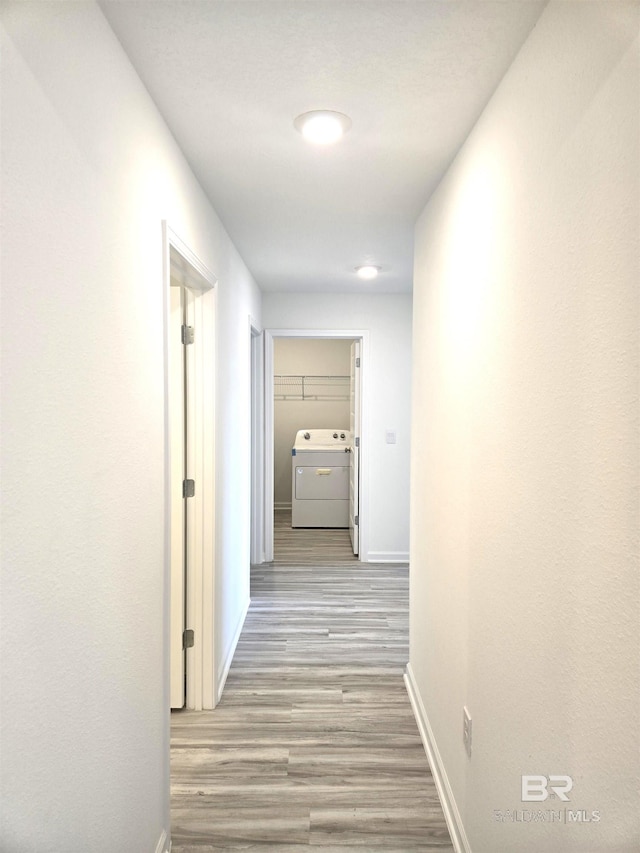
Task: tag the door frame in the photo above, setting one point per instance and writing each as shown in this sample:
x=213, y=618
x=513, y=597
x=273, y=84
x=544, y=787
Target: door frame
x=181, y=263
x=257, y=442
x=355, y=421
x=339, y=334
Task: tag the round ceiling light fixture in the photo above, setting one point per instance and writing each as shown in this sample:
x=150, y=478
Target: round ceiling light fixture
x=367, y=272
x=322, y=127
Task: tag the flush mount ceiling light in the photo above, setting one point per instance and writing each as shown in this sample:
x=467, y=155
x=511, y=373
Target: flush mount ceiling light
x=367, y=272
x=322, y=127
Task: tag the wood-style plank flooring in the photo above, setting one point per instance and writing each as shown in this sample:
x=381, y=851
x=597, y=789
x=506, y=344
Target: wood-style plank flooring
x=309, y=546
x=314, y=744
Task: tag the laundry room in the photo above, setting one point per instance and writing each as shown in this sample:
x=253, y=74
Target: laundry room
x=311, y=397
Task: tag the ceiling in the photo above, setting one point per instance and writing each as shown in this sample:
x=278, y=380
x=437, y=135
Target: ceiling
x=230, y=76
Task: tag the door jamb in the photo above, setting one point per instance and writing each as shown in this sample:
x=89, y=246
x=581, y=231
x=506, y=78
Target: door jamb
x=345, y=334
x=181, y=262
x=257, y=444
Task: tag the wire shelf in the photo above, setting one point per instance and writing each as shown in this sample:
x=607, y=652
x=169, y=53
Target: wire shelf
x=298, y=387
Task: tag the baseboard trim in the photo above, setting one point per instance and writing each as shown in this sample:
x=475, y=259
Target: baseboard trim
x=388, y=557
x=164, y=843
x=447, y=800
x=282, y=505
x=227, y=664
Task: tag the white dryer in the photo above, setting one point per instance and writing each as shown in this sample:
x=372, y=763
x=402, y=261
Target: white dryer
x=320, y=478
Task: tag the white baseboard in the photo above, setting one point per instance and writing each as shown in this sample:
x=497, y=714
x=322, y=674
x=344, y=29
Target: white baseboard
x=232, y=650
x=164, y=843
x=388, y=557
x=282, y=505
x=447, y=800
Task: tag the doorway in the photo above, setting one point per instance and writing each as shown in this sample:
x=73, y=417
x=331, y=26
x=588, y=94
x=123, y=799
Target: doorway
x=345, y=386
x=189, y=479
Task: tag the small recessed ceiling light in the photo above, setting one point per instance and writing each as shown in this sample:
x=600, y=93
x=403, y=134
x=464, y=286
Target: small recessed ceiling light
x=367, y=272
x=322, y=127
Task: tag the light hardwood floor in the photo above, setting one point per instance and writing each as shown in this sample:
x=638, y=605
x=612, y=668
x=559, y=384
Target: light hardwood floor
x=314, y=744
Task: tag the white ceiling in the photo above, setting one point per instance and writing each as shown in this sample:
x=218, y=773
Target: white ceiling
x=229, y=77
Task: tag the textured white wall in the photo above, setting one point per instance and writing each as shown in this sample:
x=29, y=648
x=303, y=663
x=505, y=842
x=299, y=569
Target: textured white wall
x=311, y=358
x=524, y=551
x=388, y=319
x=88, y=171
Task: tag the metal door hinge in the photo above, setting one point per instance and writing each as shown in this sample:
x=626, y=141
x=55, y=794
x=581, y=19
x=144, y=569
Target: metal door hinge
x=357, y=362
x=358, y=442
x=188, y=488
x=188, y=335
x=356, y=520
x=188, y=638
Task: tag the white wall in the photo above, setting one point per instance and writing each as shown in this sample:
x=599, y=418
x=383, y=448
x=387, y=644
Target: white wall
x=301, y=356
x=388, y=320
x=89, y=170
x=524, y=551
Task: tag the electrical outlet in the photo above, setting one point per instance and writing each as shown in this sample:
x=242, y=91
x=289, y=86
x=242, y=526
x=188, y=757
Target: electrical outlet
x=466, y=730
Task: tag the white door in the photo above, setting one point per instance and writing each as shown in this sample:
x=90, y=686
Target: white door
x=257, y=446
x=354, y=456
x=179, y=368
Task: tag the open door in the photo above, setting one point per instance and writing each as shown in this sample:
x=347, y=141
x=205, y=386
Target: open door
x=354, y=457
x=180, y=377
x=177, y=438
x=257, y=445
x=189, y=360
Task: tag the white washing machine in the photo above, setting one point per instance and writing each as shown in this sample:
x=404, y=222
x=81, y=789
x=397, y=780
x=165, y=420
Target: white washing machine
x=320, y=478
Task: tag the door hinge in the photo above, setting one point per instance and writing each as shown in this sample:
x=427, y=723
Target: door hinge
x=188, y=638
x=188, y=335
x=356, y=520
x=188, y=488
x=358, y=361
x=358, y=442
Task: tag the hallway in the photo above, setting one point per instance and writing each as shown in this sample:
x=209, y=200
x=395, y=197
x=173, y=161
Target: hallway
x=314, y=743
x=487, y=184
